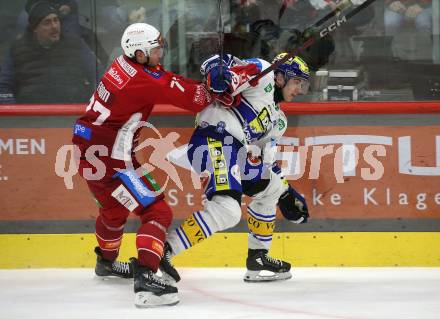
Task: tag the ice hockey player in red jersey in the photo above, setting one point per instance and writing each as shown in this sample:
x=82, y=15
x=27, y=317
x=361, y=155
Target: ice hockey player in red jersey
x=107, y=135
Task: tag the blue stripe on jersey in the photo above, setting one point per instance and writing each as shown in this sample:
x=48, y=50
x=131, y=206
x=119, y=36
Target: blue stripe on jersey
x=181, y=237
x=203, y=222
x=200, y=224
x=246, y=111
x=262, y=238
x=256, y=62
x=266, y=218
x=237, y=115
x=250, y=105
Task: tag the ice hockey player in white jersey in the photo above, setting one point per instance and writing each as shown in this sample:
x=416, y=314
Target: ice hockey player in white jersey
x=233, y=149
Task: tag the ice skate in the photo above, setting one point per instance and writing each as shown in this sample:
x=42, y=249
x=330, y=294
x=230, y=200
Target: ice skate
x=169, y=273
x=261, y=267
x=108, y=268
x=150, y=290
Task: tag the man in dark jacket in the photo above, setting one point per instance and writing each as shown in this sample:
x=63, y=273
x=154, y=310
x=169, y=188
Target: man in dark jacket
x=46, y=66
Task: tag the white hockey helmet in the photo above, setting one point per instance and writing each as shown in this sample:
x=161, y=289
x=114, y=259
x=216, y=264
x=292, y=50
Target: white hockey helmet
x=140, y=36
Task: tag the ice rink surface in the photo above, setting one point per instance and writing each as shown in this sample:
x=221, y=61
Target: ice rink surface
x=327, y=293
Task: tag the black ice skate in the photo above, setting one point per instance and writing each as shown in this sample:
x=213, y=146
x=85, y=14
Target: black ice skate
x=107, y=268
x=169, y=273
x=261, y=267
x=150, y=290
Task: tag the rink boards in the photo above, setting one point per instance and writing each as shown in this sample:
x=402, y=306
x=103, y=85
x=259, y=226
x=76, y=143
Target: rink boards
x=359, y=217
x=320, y=249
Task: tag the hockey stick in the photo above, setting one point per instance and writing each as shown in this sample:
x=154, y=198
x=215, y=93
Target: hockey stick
x=220, y=31
x=322, y=32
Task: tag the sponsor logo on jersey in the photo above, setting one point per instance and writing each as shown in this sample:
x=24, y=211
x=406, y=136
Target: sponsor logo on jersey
x=158, y=247
x=201, y=95
x=103, y=93
x=221, y=180
x=281, y=124
x=113, y=244
x=155, y=74
x=131, y=71
x=117, y=76
x=268, y=88
x=123, y=196
x=138, y=185
x=82, y=131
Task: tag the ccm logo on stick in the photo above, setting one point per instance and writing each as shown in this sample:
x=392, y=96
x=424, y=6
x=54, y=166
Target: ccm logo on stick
x=332, y=27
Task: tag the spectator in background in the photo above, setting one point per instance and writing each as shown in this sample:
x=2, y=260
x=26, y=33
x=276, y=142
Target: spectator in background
x=67, y=11
x=46, y=66
x=418, y=12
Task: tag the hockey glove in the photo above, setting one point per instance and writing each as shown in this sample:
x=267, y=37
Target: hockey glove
x=213, y=61
x=293, y=206
x=227, y=99
x=242, y=74
x=219, y=79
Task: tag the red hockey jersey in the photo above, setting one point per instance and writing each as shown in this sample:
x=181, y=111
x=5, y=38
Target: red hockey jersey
x=125, y=97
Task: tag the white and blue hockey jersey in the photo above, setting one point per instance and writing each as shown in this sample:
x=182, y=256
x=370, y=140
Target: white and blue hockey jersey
x=256, y=120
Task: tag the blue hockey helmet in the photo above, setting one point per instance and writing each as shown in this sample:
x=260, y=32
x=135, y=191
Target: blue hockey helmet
x=294, y=67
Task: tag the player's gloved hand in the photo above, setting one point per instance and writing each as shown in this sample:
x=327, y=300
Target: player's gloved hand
x=208, y=64
x=241, y=74
x=293, y=206
x=219, y=79
x=227, y=99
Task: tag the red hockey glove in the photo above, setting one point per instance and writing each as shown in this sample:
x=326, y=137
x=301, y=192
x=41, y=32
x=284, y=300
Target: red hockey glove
x=227, y=99
x=242, y=74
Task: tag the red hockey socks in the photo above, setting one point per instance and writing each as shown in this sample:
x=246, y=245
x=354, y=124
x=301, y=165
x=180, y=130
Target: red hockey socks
x=149, y=242
x=109, y=239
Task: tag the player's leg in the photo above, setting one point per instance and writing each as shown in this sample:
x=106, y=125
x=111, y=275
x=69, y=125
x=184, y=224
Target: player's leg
x=150, y=289
x=261, y=215
x=222, y=209
x=109, y=228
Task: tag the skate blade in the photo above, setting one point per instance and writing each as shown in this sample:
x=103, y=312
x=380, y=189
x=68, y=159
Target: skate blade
x=111, y=278
x=146, y=299
x=265, y=275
